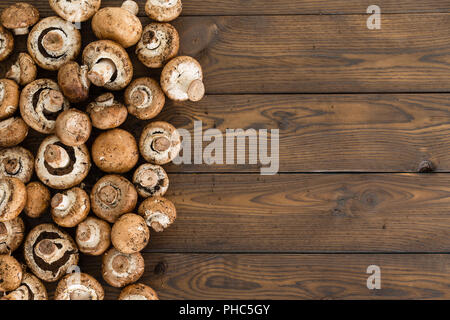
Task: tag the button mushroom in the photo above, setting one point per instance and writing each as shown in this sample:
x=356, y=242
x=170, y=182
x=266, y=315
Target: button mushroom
x=138, y=291
x=12, y=131
x=126, y=29
x=59, y=166
x=9, y=98
x=19, y=17
x=79, y=286
x=130, y=234
x=158, y=212
x=38, y=199
x=73, y=127
x=93, y=236
x=159, y=143
x=159, y=43
x=52, y=42
x=182, y=79
x=106, y=112
x=13, y=197
x=31, y=288
x=109, y=65
x=144, y=98
x=49, y=252
x=6, y=43
x=11, y=235
x=41, y=102
x=75, y=10
x=150, y=180
x=70, y=207
x=23, y=70
x=115, y=151
x=10, y=273
x=163, y=10
x=120, y=269
x=16, y=162
x=73, y=81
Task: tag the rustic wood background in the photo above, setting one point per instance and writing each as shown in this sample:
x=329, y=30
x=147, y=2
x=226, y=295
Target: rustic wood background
x=358, y=111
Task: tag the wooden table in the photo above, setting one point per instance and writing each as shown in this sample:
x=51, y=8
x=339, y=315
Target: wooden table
x=358, y=111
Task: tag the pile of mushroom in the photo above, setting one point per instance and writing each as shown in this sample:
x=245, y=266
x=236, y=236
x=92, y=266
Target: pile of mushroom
x=79, y=125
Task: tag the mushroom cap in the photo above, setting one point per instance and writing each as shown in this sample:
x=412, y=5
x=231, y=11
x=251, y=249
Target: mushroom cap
x=79, y=286
x=113, y=196
x=16, y=162
x=130, y=234
x=6, y=43
x=177, y=77
x=9, y=98
x=115, y=151
x=73, y=127
x=138, y=291
x=71, y=166
x=120, y=269
x=93, y=236
x=159, y=43
x=49, y=252
x=144, y=98
x=70, y=207
x=13, y=197
x=107, y=113
x=73, y=81
x=12, y=132
x=10, y=273
x=160, y=142
x=150, y=180
x=110, y=50
x=19, y=15
x=75, y=10
x=158, y=212
x=11, y=235
x=163, y=10
x=38, y=199
x=40, y=105
x=62, y=39
x=23, y=70
x=31, y=288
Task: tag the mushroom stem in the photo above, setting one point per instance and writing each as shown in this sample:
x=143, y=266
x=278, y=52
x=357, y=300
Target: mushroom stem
x=141, y=97
x=56, y=156
x=46, y=247
x=53, y=41
x=131, y=6
x=102, y=72
x=12, y=166
x=120, y=264
x=161, y=144
x=60, y=202
x=52, y=99
x=149, y=179
x=20, y=31
x=196, y=90
x=108, y=194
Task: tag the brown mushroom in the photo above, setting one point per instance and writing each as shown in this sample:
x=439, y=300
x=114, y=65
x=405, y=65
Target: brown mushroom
x=9, y=98
x=74, y=82
x=12, y=132
x=106, y=112
x=13, y=197
x=130, y=234
x=115, y=151
x=93, y=236
x=49, y=252
x=11, y=235
x=79, y=286
x=150, y=180
x=75, y=10
x=31, y=288
x=163, y=10
x=138, y=291
x=113, y=196
x=10, y=273
x=19, y=17
x=70, y=207
x=73, y=127
x=144, y=98
x=6, y=43
x=23, y=70
x=160, y=143
x=16, y=162
x=158, y=212
x=120, y=269
x=38, y=199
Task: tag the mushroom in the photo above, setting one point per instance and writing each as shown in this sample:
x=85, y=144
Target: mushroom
x=38, y=199
x=93, y=236
x=182, y=79
x=49, y=252
x=13, y=197
x=73, y=81
x=9, y=98
x=19, y=17
x=79, y=286
x=144, y=98
x=159, y=43
x=23, y=70
x=138, y=291
x=73, y=127
x=126, y=29
x=41, y=102
x=159, y=143
x=113, y=196
x=115, y=151
x=107, y=113
x=12, y=132
x=59, y=166
x=6, y=43
x=10, y=273
x=70, y=207
x=16, y=162
x=109, y=65
x=158, y=212
x=11, y=235
x=31, y=288
x=150, y=180
x=120, y=269
x=75, y=10
x=130, y=234
x=52, y=42
x=163, y=10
